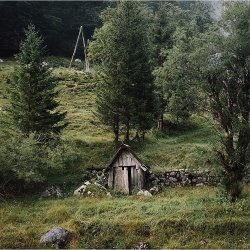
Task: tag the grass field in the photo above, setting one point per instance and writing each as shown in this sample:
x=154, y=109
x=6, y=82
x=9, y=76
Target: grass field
x=188, y=146
x=176, y=218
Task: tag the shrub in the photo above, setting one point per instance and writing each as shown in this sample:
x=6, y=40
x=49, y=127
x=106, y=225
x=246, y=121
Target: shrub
x=25, y=163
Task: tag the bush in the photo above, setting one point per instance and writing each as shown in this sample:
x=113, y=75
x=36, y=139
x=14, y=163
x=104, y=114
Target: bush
x=25, y=163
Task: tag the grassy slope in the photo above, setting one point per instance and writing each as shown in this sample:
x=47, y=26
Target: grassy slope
x=187, y=148
x=177, y=218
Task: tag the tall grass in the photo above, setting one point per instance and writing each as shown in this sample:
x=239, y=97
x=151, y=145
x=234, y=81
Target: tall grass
x=176, y=218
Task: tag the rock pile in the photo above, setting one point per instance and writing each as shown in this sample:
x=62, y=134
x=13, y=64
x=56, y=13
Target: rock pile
x=55, y=192
x=97, y=175
x=92, y=189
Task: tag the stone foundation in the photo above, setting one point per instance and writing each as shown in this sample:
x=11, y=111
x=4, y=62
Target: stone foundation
x=183, y=177
x=170, y=178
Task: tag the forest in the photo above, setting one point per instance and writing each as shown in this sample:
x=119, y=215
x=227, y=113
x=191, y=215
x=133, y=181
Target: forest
x=158, y=89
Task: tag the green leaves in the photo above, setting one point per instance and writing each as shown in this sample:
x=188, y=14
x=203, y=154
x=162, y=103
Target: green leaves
x=31, y=91
x=125, y=96
x=223, y=62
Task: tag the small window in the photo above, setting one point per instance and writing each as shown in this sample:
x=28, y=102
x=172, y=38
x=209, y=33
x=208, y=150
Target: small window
x=122, y=168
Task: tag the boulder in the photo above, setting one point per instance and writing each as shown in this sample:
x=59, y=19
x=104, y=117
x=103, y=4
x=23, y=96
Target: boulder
x=100, y=186
x=172, y=179
x=57, y=236
x=79, y=191
x=154, y=190
x=59, y=193
x=144, y=192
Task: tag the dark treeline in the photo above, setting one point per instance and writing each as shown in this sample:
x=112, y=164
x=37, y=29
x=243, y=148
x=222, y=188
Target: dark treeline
x=58, y=22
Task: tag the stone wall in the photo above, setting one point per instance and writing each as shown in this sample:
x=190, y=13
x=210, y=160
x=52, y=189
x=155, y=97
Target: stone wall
x=170, y=178
x=183, y=177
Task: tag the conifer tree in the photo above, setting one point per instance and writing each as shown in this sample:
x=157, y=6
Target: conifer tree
x=126, y=96
x=32, y=92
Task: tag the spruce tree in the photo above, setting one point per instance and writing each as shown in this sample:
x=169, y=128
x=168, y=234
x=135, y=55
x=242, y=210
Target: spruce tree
x=32, y=92
x=126, y=94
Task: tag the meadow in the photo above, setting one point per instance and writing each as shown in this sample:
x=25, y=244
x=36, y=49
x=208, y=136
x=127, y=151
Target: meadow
x=187, y=145
x=192, y=217
x=176, y=218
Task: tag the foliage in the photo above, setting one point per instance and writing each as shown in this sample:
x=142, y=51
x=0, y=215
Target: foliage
x=188, y=145
x=223, y=57
x=126, y=92
x=24, y=162
x=58, y=23
x=32, y=91
x=22, y=159
x=173, y=30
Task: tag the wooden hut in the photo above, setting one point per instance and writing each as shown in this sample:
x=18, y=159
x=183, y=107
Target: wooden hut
x=126, y=171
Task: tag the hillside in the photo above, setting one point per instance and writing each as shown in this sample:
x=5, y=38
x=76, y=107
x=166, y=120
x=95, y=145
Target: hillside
x=177, y=218
x=187, y=217
x=186, y=146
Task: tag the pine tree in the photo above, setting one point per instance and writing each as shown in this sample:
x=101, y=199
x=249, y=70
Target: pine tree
x=126, y=96
x=32, y=92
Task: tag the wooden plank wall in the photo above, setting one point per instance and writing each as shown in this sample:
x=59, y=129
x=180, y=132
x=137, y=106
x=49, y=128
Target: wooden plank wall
x=118, y=174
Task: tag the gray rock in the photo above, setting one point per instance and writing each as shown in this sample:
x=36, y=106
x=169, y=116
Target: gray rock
x=199, y=179
x=172, y=179
x=142, y=245
x=144, y=192
x=57, y=236
x=46, y=194
x=100, y=186
x=55, y=192
x=172, y=174
x=199, y=184
x=77, y=60
x=59, y=193
x=79, y=191
x=154, y=190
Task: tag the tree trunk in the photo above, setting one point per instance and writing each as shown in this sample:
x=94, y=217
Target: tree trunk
x=234, y=163
x=116, y=130
x=233, y=184
x=160, y=122
x=143, y=136
x=127, y=132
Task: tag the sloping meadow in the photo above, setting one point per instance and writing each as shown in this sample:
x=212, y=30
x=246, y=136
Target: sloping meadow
x=176, y=218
